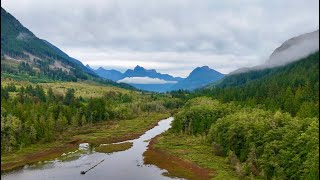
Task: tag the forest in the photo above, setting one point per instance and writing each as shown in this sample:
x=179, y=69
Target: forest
x=256, y=142
x=30, y=114
x=264, y=122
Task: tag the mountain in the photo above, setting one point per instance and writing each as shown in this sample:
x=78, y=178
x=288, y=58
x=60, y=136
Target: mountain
x=63, y=54
x=293, y=87
x=199, y=77
x=291, y=50
x=24, y=53
x=25, y=56
x=141, y=78
x=149, y=80
x=87, y=66
x=139, y=71
x=294, y=49
x=112, y=74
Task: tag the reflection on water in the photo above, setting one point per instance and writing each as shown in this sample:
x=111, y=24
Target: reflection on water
x=124, y=165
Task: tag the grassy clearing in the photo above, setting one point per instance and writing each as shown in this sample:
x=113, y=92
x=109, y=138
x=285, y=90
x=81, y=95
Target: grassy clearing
x=85, y=89
x=110, y=148
x=101, y=133
x=189, y=149
x=7, y=79
x=117, y=131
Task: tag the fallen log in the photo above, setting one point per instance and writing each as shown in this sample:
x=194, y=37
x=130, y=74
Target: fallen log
x=84, y=172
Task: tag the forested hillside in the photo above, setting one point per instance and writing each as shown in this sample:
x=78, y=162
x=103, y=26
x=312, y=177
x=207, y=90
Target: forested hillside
x=255, y=142
x=265, y=123
x=24, y=53
x=26, y=57
x=293, y=88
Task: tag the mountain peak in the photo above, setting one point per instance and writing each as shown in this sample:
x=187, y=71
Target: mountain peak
x=138, y=68
x=100, y=68
x=199, y=77
x=203, y=69
x=139, y=71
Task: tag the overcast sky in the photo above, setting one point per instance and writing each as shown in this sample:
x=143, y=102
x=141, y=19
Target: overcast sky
x=171, y=36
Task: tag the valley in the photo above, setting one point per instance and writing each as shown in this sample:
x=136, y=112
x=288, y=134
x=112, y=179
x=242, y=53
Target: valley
x=151, y=80
x=60, y=117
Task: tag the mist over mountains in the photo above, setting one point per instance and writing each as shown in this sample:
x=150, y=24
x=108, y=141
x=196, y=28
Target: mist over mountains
x=43, y=58
x=290, y=51
x=294, y=49
x=151, y=80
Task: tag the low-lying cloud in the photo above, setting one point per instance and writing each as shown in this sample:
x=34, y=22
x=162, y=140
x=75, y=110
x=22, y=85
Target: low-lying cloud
x=145, y=80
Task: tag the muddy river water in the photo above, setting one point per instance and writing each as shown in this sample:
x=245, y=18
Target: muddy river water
x=123, y=165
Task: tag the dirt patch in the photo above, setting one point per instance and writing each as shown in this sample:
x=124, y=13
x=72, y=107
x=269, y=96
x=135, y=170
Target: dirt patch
x=11, y=58
x=59, y=65
x=175, y=166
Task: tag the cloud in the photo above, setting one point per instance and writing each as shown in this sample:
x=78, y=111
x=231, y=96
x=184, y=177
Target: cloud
x=294, y=49
x=290, y=51
x=145, y=80
x=170, y=33
x=174, y=63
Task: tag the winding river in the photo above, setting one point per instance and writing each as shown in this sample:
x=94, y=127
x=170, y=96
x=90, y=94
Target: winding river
x=124, y=165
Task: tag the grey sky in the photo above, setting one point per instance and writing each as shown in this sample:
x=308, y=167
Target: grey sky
x=171, y=36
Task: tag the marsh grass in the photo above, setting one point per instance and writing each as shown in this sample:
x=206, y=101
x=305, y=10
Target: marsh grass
x=194, y=150
x=111, y=148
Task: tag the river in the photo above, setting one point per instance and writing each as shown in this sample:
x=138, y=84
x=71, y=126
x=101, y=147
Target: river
x=123, y=165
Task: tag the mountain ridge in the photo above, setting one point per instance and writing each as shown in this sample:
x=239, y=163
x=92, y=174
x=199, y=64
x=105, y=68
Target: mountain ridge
x=112, y=74
x=199, y=77
x=34, y=55
x=25, y=56
x=139, y=71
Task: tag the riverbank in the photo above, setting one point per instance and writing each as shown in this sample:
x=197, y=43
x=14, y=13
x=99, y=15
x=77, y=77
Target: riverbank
x=187, y=157
x=96, y=134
